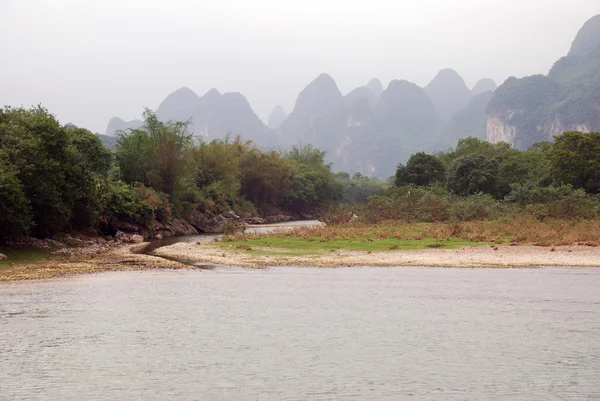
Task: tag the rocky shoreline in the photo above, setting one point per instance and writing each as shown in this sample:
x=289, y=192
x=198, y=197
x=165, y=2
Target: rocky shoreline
x=194, y=223
x=83, y=254
x=89, y=259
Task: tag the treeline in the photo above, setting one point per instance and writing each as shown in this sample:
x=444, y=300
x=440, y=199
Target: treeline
x=478, y=180
x=58, y=178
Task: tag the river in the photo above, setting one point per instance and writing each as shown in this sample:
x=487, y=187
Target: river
x=304, y=334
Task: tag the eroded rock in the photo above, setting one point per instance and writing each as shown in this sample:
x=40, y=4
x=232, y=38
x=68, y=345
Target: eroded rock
x=136, y=239
x=173, y=228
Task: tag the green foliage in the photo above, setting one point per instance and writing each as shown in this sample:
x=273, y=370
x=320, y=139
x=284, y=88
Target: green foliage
x=15, y=212
x=471, y=174
x=156, y=155
x=575, y=160
x=470, y=146
x=265, y=178
x=138, y=205
x=55, y=178
x=421, y=169
x=313, y=183
x=57, y=166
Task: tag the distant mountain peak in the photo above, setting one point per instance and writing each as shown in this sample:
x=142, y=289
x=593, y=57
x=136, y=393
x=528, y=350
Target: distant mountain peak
x=398, y=83
x=375, y=85
x=446, y=78
x=321, y=95
x=184, y=90
x=588, y=38
x=362, y=92
x=324, y=77
x=116, y=124
x=277, y=117
x=213, y=93
x=446, y=73
x=448, y=92
x=484, y=85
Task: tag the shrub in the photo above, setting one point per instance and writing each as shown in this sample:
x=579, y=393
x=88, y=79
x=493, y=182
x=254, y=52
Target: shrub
x=475, y=207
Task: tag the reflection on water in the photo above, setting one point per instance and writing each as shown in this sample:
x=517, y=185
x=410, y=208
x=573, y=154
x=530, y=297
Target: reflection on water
x=304, y=333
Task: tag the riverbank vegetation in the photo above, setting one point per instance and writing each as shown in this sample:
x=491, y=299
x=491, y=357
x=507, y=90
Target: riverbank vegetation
x=57, y=179
x=396, y=235
x=479, y=192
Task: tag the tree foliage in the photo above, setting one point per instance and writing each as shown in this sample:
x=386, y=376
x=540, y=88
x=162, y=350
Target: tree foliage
x=421, y=169
x=575, y=160
x=156, y=155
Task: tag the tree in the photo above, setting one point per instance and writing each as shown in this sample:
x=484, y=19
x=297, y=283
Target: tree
x=156, y=155
x=313, y=182
x=575, y=160
x=265, y=178
x=471, y=146
x=472, y=174
x=39, y=148
x=56, y=171
x=15, y=212
x=421, y=169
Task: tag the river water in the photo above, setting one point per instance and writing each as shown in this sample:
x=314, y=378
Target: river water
x=304, y=334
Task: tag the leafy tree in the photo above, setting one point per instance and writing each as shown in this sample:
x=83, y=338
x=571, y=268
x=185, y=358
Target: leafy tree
x=421, y=169
x=15, y=212
x=92, y=156
x=472, y=174
x=91, y=161
x=39, y=148
x=313, y=182
x=59, y=170
x=156, y=155
x=265, y=177
x=575, y=160
x=471, y=146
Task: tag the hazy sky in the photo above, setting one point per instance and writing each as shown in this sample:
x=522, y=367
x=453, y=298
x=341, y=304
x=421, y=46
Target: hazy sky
x=88, y=61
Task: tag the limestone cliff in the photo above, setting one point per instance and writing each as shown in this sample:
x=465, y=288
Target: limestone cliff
x=537, y=108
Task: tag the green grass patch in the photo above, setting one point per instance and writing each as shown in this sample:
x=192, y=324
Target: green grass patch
x=24, y=255
x=298, y=245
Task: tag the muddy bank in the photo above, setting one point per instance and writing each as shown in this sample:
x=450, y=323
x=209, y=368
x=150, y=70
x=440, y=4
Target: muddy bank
x=484, y=256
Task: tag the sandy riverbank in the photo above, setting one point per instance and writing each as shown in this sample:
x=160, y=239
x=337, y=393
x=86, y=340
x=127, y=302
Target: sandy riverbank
x=483, y=256
x=124, y=258
x=116, y=258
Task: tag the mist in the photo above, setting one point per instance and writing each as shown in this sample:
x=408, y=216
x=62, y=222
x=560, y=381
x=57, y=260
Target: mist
x=90, y=61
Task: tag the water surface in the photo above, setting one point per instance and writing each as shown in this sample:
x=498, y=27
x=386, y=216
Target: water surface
x=304, y=334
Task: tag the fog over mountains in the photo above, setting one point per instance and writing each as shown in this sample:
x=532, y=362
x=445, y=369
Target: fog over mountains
x=371, y=129
x=367, y=130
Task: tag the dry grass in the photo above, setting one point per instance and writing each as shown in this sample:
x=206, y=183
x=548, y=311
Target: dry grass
x=520, y=231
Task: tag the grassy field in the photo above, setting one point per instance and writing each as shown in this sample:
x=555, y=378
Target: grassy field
x=393, y=235
x=299, y=245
